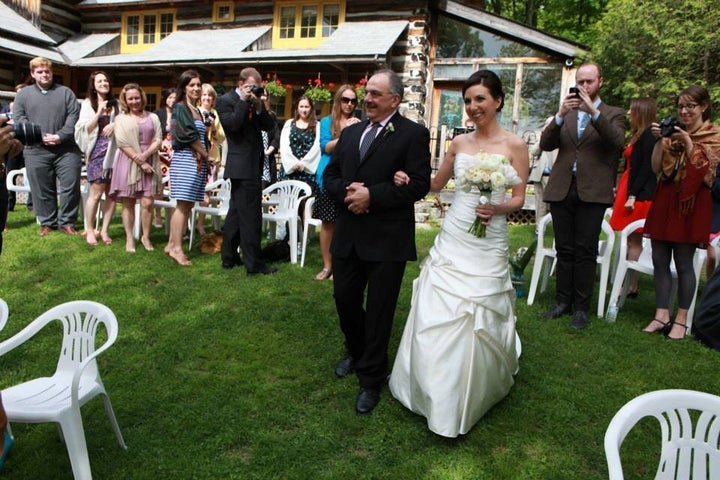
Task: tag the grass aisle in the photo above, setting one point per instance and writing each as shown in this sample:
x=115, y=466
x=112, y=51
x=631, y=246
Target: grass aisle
x=220, y=376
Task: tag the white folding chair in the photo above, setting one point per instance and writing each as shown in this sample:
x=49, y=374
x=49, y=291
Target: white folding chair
x=219, y=193
x=644, y=265
x=287, y=195
x=546, y=256
x=76, y=380
x=11, y=182
x=308, y=221
x=690, y=433
x=166, y=203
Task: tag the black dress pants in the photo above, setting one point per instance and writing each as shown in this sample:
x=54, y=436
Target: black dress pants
x=367, y=327
x=577, y=227
x=243, y=224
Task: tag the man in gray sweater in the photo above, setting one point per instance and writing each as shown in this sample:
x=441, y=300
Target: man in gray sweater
x=57, y=159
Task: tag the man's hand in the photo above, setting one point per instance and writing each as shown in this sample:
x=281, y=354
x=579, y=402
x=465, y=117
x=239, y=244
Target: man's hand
x=357, y=198
x=51, y=139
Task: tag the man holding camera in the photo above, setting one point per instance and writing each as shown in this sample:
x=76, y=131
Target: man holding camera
x=243, y=117
x=55, y=109
x=589, y=136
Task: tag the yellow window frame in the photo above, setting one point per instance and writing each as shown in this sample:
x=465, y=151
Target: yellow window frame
x=295, y=40
x=141, y=46
x=216, y=12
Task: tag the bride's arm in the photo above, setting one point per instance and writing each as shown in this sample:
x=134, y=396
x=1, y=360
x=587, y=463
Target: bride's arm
x=444, y=171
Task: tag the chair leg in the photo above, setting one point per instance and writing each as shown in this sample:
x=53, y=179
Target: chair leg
x=74, y=436
x=604, y=272
x=113, y=420
x=292, y=225
x=306, y=227
x=617, y=286
x=547, y=270
x=537, y=267
x=192, y=228
x=136, y=225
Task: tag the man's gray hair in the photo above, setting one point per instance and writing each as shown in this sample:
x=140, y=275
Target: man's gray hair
x=396, y=84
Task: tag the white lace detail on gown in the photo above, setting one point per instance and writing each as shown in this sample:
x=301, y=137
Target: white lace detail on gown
x=459, y=350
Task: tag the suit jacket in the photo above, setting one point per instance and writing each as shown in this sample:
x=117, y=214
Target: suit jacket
x=642, y=179
x=242, y=127
x=387, y=232
x=597, y=154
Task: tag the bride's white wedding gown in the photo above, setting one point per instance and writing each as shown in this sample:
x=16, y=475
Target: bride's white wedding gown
x=459, y=350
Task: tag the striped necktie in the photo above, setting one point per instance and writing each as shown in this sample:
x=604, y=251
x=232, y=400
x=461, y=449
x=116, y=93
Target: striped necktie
x=368, y=139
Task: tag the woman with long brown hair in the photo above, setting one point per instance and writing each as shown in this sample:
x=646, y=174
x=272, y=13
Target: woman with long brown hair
x=637, y=183
x=326, y=209
x=94, y=134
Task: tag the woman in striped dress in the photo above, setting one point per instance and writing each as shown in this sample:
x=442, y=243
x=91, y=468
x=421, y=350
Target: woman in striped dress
x=189, y=168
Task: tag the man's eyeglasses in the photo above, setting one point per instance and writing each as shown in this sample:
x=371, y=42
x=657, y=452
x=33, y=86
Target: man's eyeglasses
x=349, y=100
x=689, y=107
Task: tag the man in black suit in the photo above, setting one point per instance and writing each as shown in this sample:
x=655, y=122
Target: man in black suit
x=375, y=231
x=243, y=116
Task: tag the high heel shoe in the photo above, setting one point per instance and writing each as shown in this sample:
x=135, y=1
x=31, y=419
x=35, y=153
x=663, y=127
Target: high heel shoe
x=664, y=329
x=6, y=448
x=179, y=258
x=684, y=332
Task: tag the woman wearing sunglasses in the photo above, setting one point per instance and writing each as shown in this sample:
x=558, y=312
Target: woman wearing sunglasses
x=343, y=110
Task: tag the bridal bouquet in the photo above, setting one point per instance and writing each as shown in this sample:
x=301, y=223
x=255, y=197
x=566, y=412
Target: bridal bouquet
x=491, y=172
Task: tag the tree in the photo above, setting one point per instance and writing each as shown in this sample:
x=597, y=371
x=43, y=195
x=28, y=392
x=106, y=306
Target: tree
x=655, y=49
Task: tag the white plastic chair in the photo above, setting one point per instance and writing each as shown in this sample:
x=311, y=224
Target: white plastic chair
x=688, y=450
x=287, y=195
x=4, y=312
x=546, y=256
x=76, y=380
x=219, y=193
x=10, y=181
x=308, y=221
x=166, y=202
x=644, y=265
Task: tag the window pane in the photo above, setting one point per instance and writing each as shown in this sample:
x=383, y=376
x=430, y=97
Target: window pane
x=331, y=19
x=133, y=30
x=309, y=22
x=224, y=12
x=460, y=71
x=287, y=22
x=507, y=77
x=149, y=27
x=451, y=108
x=166, y=24
x=539, y=95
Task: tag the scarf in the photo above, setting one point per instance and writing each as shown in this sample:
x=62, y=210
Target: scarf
x=127, y=134
x=690, y=174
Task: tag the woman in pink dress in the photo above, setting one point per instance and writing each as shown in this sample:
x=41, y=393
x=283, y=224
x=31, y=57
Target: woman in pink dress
x=136, y=173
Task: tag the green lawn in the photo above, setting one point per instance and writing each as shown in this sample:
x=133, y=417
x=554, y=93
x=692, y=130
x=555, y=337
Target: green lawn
x=219, y=376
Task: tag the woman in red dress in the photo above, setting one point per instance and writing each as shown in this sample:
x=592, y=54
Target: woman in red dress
x=685, y=158
x=637, y=183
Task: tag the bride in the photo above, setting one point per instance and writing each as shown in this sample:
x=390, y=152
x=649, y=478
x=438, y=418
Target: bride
x=459, y=350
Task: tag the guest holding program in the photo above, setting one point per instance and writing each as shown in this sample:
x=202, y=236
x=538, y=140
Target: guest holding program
x=685, y=157
x=94, y=134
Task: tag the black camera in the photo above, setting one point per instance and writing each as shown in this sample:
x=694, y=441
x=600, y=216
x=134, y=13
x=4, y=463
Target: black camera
x=667, y=126
x=112, y=103
x=257, y=90
x=208, y=118
x=28, y=133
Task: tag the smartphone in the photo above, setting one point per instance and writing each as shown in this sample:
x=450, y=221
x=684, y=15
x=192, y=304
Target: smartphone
x=575, y=92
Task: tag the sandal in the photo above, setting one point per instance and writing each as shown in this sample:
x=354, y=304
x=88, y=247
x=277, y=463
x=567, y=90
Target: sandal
x=664, y=329
x=323, y=274
x=179, y=258
x=684, y=332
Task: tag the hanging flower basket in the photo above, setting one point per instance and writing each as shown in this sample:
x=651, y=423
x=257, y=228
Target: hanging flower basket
x=275, y=88
x=360, y=90
x=317, y=91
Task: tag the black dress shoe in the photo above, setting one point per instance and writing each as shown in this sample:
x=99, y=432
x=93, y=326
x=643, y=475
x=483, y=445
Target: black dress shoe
x=557, y=311
x=265, y=270
x=580, y=320
x=232, y=264
x=367, y=400
x=344, y=367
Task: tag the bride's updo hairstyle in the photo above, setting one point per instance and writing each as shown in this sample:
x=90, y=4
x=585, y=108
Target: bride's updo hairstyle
x=489, y=80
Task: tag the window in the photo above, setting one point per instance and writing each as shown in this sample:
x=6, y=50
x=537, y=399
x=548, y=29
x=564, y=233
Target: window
x=306, y=23
x=223, y=12
x=143, y=30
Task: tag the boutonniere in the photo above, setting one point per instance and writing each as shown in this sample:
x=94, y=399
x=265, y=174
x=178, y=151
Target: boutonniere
x=389, y=128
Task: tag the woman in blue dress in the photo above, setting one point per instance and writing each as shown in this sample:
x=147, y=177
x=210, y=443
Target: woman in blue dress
x=189, y=168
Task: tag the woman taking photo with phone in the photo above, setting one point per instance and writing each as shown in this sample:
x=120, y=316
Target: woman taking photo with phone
x=685, y=157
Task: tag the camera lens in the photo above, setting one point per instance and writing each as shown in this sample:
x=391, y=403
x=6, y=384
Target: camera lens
x=28, y=133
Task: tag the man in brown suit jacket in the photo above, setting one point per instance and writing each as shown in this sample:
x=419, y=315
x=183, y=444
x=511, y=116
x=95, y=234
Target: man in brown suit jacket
x=589, y=136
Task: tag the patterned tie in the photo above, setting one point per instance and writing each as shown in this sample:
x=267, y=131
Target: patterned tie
x=583, y=119
x=368, y=139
